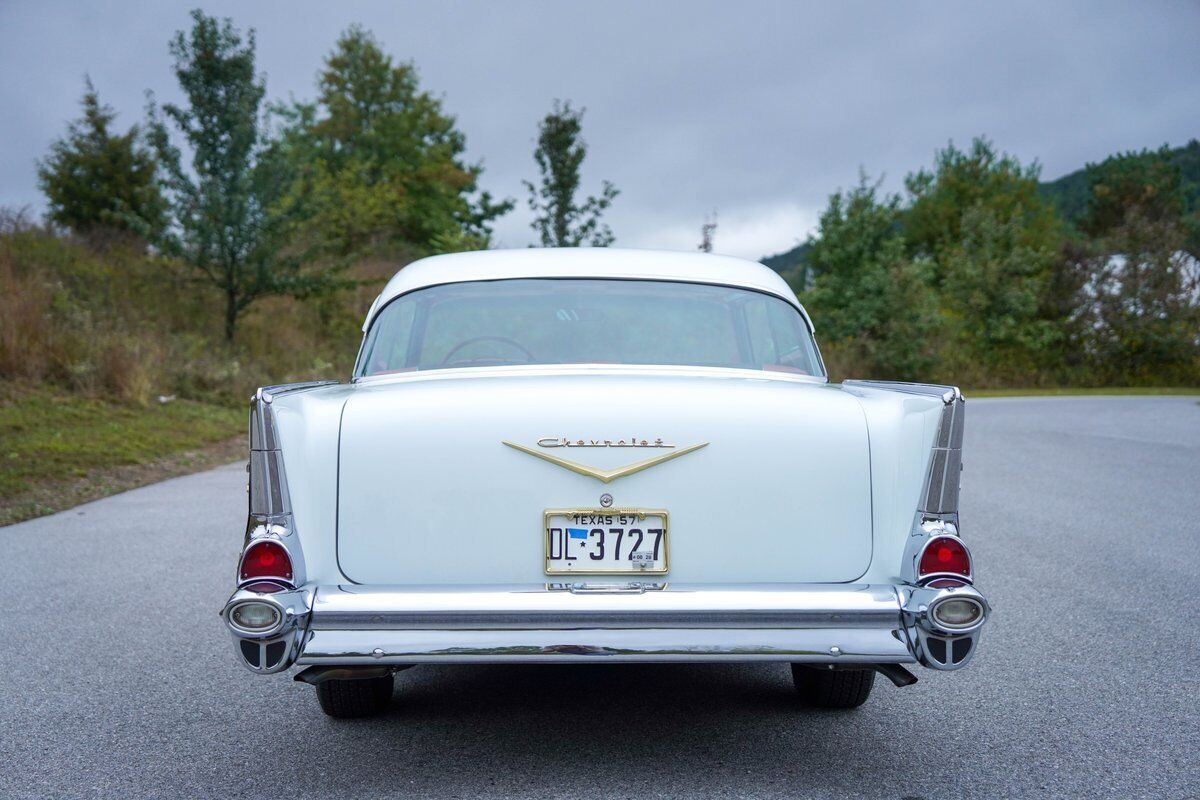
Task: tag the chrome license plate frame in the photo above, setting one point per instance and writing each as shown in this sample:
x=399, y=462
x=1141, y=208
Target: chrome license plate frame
x=557, y=543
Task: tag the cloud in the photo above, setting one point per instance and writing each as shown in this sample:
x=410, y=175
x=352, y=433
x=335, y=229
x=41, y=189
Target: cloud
x=758, y=110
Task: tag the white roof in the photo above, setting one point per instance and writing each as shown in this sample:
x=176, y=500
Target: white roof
x=584, y=262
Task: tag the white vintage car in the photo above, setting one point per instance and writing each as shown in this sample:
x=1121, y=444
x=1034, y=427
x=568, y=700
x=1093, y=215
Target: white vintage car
x=598, y=456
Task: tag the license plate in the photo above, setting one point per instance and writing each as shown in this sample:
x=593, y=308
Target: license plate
x=625, y=541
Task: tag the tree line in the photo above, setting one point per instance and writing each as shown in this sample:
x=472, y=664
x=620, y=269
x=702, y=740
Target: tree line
x=263, y=199
x=973, y=275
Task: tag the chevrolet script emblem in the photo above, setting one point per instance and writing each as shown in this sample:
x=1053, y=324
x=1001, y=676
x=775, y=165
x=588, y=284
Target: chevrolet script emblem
x=605, y=475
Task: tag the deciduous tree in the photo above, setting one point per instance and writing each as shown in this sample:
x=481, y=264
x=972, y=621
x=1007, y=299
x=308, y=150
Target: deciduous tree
x=377, y=163
x=559, y=219
x=992, y=242
x=219, y=207
x=874, y=303
x=1144, y=308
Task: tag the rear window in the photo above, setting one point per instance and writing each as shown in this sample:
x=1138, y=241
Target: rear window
x=593, y=321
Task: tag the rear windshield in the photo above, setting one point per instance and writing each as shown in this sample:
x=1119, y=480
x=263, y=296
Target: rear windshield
x=572, y=321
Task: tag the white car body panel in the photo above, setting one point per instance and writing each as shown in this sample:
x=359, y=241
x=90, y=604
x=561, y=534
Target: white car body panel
x=423, y=462
x=901, y=433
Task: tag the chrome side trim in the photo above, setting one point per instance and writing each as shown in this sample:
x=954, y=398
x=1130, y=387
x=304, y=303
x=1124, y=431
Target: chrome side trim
x=940, y=493
x=948, y=393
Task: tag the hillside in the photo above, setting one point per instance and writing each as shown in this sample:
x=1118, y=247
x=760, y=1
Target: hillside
x=1069, y=194
x=786, y=261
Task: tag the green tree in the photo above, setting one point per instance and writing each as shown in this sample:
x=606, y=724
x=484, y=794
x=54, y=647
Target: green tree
x=993, y=242
x=377, y=164
x=1147, y=184
x=558, y=219
x=873, y=303
x=1144, y=313
x=219, y=207
x=96, y=179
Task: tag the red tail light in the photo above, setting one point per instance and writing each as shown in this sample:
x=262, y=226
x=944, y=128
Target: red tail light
x=944, y=554
x=266, y=559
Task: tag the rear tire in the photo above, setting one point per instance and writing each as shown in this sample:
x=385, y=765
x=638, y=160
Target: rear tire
x=361, y=697
x=832, y=688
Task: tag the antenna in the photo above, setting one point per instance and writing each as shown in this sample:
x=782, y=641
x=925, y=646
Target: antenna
x=706, y=232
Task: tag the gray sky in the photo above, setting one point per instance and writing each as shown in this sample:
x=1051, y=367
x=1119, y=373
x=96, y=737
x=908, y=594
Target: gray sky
x=756, y=109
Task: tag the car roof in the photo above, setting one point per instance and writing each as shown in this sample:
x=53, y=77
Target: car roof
x=584, y=262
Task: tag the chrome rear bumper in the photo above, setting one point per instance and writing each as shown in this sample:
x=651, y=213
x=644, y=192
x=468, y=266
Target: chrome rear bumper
x=399, y=625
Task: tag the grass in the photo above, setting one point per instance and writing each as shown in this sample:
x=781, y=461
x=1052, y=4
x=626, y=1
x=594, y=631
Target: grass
x=1067, y=392
x=58, y=449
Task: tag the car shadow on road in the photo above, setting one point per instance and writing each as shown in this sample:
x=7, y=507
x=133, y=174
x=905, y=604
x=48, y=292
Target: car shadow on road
x=622, y=691
x=535, y=724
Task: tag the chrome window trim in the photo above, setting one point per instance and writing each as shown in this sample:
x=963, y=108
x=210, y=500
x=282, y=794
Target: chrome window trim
x=518, y=370
x=377, y=308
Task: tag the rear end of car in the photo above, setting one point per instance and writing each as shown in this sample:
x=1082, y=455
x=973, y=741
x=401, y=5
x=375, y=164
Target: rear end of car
x=448, y=509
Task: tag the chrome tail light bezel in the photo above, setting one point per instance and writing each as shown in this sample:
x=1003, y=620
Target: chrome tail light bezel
x=249, y=632
x=923, y=578
x=262, y=540
x=950, y=627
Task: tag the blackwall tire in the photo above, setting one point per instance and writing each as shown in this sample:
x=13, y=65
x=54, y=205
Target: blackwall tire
x=362, y=697
x=832, y=688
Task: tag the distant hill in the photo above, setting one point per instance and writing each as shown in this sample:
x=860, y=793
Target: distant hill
x=784, y=262
x=1069, y=194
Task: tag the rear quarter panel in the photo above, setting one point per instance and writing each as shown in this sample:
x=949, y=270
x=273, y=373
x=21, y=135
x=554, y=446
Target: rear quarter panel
x=308, y=425
x=902, y=429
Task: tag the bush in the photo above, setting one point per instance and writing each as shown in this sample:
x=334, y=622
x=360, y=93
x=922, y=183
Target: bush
x=120, y=324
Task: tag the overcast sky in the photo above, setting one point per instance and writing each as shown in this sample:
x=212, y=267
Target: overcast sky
x=758, y=110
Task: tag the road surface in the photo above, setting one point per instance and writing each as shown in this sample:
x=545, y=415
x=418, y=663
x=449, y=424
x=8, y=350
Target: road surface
x=117, y=679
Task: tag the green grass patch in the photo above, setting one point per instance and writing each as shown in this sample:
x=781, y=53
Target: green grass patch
x=1068, y=392
x=47, y=438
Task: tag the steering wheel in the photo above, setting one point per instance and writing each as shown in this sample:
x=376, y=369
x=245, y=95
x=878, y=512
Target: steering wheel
x=502, y=339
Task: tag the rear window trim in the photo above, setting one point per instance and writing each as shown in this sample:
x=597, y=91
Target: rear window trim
x=376, y=313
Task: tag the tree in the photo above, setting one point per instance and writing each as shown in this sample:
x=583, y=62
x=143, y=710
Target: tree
x=993, y=242
x=1146, y=184
x=960, y=180
x=1145, y=313
x=219, y=208
x=1144, y=283
x=377, y=164
x=874, y=303
x=560, y=151
x=95, y=179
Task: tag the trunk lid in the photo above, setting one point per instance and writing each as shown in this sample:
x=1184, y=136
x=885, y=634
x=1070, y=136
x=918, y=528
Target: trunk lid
x=429, y=494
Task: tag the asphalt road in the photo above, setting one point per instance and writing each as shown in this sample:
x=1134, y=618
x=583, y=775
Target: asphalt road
x=118, y=680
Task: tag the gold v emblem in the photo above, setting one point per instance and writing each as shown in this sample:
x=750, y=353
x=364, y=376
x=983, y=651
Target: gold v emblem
x=607, y=475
